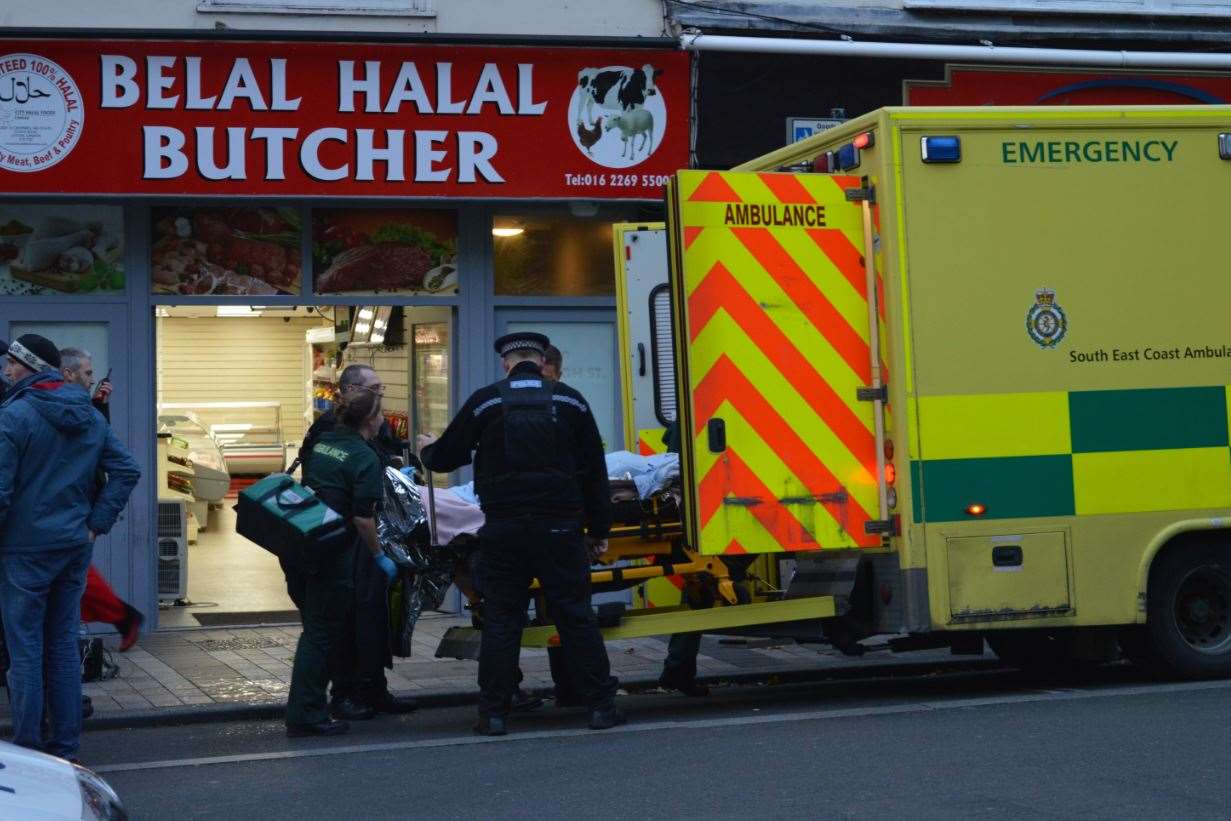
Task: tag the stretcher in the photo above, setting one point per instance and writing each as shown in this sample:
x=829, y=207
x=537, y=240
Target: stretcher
x=646, y=542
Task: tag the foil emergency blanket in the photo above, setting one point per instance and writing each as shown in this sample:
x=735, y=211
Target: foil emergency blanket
x=427, y=569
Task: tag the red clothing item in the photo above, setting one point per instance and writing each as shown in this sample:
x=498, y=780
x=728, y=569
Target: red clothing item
x=99, y=602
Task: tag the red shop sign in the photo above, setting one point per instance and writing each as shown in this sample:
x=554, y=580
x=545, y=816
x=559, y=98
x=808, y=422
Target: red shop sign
x=318, y=119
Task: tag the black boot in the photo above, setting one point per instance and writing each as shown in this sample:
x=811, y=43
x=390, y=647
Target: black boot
x=348, y=710
x=604, y=718
x=687, y=685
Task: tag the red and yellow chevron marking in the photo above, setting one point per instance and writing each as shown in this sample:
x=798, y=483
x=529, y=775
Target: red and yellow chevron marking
x=776, y=319
x=650, y=441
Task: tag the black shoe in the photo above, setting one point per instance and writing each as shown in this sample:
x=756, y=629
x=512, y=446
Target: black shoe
x=395, y=705
x=688, y=686
x=491, y=725
x=87, y=707
x=604, y=718
x=350, y=710
x=524, y=702
x=325, y=728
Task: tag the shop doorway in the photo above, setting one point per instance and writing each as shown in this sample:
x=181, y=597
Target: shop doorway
x=103, y=335
x=588, y=342
x=238, y=387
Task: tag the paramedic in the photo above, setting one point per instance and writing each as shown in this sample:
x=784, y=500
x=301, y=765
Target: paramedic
x=540, y=476
x=346, y=474
x=357, y=665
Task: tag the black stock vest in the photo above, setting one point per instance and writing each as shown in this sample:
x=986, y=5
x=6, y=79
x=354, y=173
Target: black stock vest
x=526, y=461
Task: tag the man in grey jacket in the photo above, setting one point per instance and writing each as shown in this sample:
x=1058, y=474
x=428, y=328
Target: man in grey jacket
x=52, y=442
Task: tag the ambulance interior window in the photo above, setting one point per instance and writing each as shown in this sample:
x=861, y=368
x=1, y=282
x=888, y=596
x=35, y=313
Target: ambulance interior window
x=664, y=355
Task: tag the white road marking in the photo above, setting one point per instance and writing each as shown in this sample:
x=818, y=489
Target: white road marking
x=700, y=724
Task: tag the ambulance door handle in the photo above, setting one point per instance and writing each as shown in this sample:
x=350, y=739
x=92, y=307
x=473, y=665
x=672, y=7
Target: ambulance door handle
x=641, y=356
x=716, y=429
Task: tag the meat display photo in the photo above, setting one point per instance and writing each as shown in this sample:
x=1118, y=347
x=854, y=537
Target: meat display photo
x=227, y=251
x=61, y=249
x=381, y=250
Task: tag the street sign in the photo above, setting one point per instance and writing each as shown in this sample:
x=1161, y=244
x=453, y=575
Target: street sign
x=799, y=128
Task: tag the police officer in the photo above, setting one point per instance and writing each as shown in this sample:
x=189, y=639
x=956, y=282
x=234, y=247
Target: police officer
x=542, y=483
x=346, y=474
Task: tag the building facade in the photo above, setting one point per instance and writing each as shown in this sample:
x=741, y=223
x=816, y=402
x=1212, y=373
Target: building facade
x=229, y=208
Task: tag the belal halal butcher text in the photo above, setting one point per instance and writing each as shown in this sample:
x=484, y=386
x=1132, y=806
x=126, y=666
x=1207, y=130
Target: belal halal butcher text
x=256, y=144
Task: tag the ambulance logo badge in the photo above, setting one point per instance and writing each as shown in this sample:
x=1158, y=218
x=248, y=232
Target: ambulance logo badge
x=1045, y=321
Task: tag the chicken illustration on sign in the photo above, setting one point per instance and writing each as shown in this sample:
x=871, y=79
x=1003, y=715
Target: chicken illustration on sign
x=617, y=117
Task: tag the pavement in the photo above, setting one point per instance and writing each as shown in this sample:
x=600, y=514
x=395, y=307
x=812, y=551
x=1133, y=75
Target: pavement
x=186, y=676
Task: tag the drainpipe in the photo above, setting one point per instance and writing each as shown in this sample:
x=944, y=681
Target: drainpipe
x=986, y=53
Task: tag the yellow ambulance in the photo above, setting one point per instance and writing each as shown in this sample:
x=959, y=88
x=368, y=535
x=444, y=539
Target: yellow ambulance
x=967, y=370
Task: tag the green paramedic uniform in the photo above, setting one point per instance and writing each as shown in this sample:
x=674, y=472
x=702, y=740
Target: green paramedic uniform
x=346, y=474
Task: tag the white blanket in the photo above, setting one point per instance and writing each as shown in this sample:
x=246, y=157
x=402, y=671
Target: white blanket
x=649, y=473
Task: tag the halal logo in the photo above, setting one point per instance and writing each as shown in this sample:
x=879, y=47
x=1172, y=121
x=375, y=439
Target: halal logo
x=41, y=113
x=1045, y=321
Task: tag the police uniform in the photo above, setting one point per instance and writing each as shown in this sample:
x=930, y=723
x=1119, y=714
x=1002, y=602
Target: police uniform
x=345, y=472
x=541, y=480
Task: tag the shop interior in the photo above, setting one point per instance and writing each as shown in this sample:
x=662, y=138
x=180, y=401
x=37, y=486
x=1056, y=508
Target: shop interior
x=237, y=388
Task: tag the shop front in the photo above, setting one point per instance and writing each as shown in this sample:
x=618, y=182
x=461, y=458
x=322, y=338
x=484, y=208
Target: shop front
x=226, y=225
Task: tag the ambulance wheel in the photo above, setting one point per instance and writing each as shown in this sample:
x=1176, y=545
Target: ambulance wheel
x=1188, y=615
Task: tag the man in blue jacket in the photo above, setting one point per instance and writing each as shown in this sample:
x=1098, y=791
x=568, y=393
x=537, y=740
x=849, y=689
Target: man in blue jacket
x=52, y=441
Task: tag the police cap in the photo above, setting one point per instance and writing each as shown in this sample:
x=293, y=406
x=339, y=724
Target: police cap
x=522, y=341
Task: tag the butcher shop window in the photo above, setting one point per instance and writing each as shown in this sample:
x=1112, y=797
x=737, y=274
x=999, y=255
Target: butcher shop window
x=555, y=254
x=226, y=251
x=384, y=251
x=61, y=249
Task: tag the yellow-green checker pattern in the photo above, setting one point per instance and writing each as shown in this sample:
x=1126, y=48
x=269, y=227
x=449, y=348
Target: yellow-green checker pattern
x=1080, y=453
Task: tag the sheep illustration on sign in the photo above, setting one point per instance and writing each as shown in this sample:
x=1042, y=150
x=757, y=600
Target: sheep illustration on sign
x=617, y=117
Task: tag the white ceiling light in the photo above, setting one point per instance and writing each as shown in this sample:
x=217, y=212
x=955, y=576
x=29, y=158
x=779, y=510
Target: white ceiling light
x=237, y=310
x=509, y=231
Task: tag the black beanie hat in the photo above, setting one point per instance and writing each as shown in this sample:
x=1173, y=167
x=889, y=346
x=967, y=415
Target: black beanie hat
x=38, y=353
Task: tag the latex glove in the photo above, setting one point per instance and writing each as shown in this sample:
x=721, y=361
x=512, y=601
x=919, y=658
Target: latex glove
x=387, y=567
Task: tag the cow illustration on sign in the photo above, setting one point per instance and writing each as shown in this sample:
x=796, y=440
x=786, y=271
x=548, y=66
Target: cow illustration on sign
x=617, y=117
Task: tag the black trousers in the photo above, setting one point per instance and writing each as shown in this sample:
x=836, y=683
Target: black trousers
x=321, y=596
x=512, y=552
x=358, y=663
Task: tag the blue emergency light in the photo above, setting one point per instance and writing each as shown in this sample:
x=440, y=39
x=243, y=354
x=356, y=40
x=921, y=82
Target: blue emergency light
x=848, y=157
x=941, y=149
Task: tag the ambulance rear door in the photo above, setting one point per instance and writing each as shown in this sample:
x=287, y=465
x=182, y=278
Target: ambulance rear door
x=647, y=359
x=779, y=449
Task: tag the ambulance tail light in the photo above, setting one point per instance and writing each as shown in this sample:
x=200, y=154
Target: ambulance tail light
x=976, y=509
x=891, y=476
x=865, y=140
x=941, y=149
x=824, y=163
